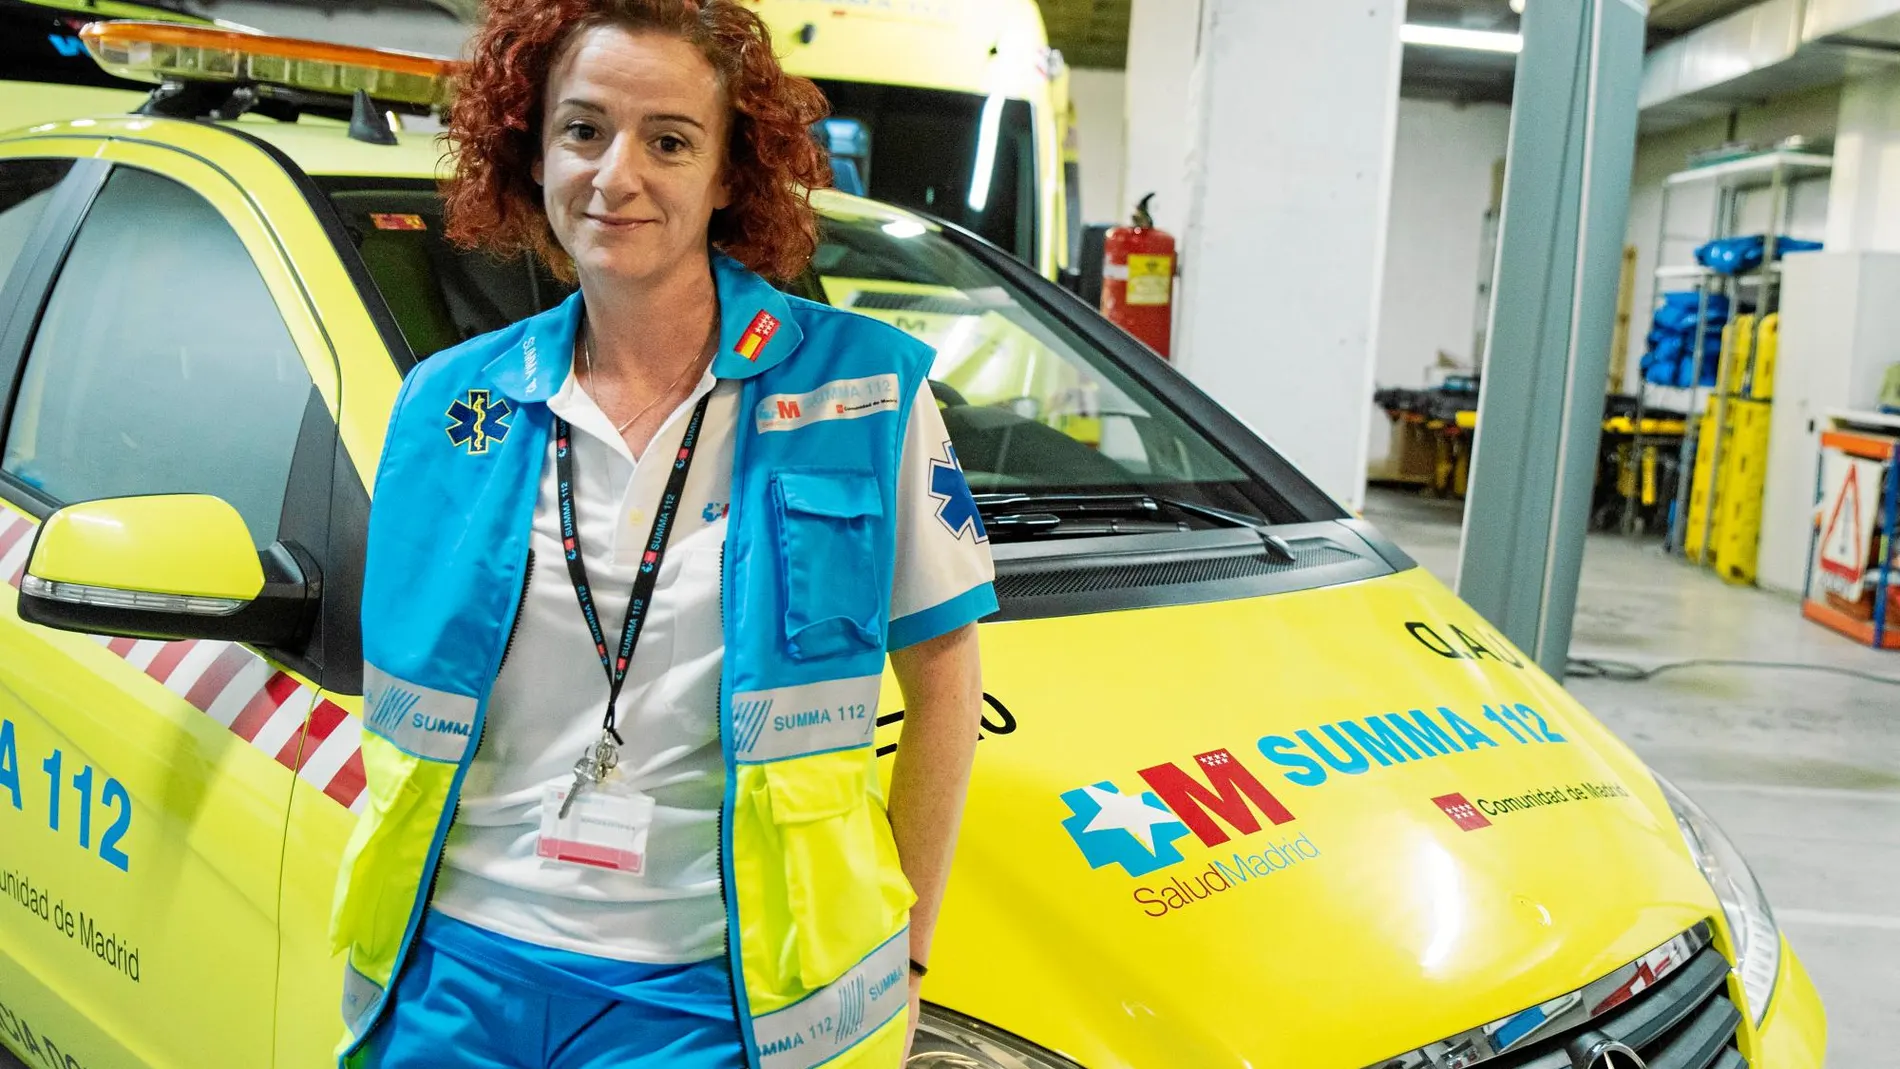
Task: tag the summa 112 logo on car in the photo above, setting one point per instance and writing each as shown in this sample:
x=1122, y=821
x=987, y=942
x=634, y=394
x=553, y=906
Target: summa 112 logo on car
x=1355, y=747
x=1219, y=803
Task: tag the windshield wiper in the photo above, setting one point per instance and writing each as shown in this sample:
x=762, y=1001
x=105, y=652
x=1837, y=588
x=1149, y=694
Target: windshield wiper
x=1080, y=515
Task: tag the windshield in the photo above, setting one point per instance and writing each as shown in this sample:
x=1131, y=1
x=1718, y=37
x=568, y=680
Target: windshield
x=1056, y=437
x=959, y=156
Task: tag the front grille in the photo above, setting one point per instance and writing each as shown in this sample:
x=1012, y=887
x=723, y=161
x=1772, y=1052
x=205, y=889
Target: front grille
x=1685, y=1022
x=1048, y=582
x=1671, y=1007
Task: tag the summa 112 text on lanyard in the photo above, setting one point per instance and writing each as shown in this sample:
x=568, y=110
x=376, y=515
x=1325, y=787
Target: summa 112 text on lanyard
x=597, y=821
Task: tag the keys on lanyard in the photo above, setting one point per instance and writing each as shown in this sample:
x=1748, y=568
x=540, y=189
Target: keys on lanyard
x=599, y=760
x=592, y=769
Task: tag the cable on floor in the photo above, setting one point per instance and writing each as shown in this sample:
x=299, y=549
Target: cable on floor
x=1625, y=672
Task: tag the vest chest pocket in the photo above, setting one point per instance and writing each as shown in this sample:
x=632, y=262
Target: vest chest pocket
x=826, y=527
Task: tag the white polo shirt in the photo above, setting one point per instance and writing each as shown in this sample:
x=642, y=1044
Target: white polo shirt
x=551, y=693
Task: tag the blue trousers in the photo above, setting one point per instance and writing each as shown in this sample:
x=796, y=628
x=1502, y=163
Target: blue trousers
x=473, y=999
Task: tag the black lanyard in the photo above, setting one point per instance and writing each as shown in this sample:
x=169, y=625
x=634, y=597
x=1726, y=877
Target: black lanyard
x=649, y=561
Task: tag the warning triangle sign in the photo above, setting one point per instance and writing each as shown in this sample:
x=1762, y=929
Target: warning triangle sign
x=1843, y=547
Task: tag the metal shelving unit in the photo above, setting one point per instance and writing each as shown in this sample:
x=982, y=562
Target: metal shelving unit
x=1776, y=171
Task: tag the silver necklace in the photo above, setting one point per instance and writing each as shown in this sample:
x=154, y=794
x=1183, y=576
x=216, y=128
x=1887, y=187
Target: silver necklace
x=587, y=353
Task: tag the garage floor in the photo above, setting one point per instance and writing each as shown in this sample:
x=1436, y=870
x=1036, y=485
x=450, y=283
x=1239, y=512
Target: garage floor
x=1802, y=768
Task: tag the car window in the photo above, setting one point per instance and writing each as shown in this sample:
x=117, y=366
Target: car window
x=161, y=364
x=440, y=295
x=26, y=186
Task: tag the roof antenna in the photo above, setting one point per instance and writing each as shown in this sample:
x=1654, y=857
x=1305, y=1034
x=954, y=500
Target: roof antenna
x=367, y=124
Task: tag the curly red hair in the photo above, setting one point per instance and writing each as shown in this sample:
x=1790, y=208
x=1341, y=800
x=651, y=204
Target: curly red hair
x=772, y=161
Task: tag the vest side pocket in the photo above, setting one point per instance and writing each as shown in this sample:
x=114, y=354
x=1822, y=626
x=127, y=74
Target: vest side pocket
x=825, y=528
x=843, y=889
x=379, y=876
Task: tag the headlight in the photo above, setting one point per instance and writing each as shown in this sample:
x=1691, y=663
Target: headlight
x=1750, y=922
x=947, y=1040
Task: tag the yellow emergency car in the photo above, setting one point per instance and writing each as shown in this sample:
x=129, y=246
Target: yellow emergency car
x=958, y=108
x=1254, y=789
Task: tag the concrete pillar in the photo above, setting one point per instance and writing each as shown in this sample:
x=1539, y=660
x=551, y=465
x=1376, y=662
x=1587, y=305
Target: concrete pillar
x=1162, y=36
x=1289, y=177
x=1862, y=215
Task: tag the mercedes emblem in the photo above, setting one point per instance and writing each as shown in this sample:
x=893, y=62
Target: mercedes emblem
x=1598, y=1052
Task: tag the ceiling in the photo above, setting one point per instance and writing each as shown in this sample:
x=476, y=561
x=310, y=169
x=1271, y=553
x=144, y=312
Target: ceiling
x=1094, y=33
x=1090, y=33
x=1459, y=75
x=1670, y=18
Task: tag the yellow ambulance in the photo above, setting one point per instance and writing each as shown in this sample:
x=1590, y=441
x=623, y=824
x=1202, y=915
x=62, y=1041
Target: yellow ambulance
x=1254, y=789
x=957, y=108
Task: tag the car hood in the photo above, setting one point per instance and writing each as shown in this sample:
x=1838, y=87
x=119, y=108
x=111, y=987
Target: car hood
x=1314, y=829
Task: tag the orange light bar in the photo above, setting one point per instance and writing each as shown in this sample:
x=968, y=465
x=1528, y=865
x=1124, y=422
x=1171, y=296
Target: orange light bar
x=163, y=51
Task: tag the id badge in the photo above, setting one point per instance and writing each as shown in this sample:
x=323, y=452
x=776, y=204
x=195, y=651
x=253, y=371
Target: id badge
x=606, y=828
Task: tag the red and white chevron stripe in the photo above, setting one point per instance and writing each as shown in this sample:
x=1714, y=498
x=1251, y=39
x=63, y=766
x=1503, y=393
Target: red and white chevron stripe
x=235, y=687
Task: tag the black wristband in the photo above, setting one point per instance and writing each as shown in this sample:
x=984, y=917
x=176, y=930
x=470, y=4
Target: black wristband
x=917, y=968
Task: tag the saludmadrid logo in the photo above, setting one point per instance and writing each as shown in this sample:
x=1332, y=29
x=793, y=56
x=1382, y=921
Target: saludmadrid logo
x=1181, y=892
x=1139, y=832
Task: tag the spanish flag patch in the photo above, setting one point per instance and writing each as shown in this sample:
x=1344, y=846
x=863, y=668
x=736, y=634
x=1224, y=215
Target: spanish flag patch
x=764, y=325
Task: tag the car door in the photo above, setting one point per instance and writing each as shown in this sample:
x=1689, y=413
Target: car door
x=399, y=290
x=146, y=784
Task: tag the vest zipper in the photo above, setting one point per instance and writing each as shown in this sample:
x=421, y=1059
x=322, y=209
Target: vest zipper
x=719, y=829
x=526, y=579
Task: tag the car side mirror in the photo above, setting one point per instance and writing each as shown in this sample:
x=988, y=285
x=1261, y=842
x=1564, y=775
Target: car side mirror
x=173, y=566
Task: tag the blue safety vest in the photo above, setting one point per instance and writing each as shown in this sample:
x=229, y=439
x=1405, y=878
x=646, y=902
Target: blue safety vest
x=817, y=906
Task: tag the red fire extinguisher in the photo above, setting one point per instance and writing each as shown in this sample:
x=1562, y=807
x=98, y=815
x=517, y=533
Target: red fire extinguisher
x=1138, y=279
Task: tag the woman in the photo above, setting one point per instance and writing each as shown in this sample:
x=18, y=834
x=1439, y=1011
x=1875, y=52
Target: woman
x=661, y=843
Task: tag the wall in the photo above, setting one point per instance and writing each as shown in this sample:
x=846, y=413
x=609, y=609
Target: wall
x=1163, y=41
x=1100, y=99
x=1813, y=114
x=1865, y=213
x=1441, y=185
